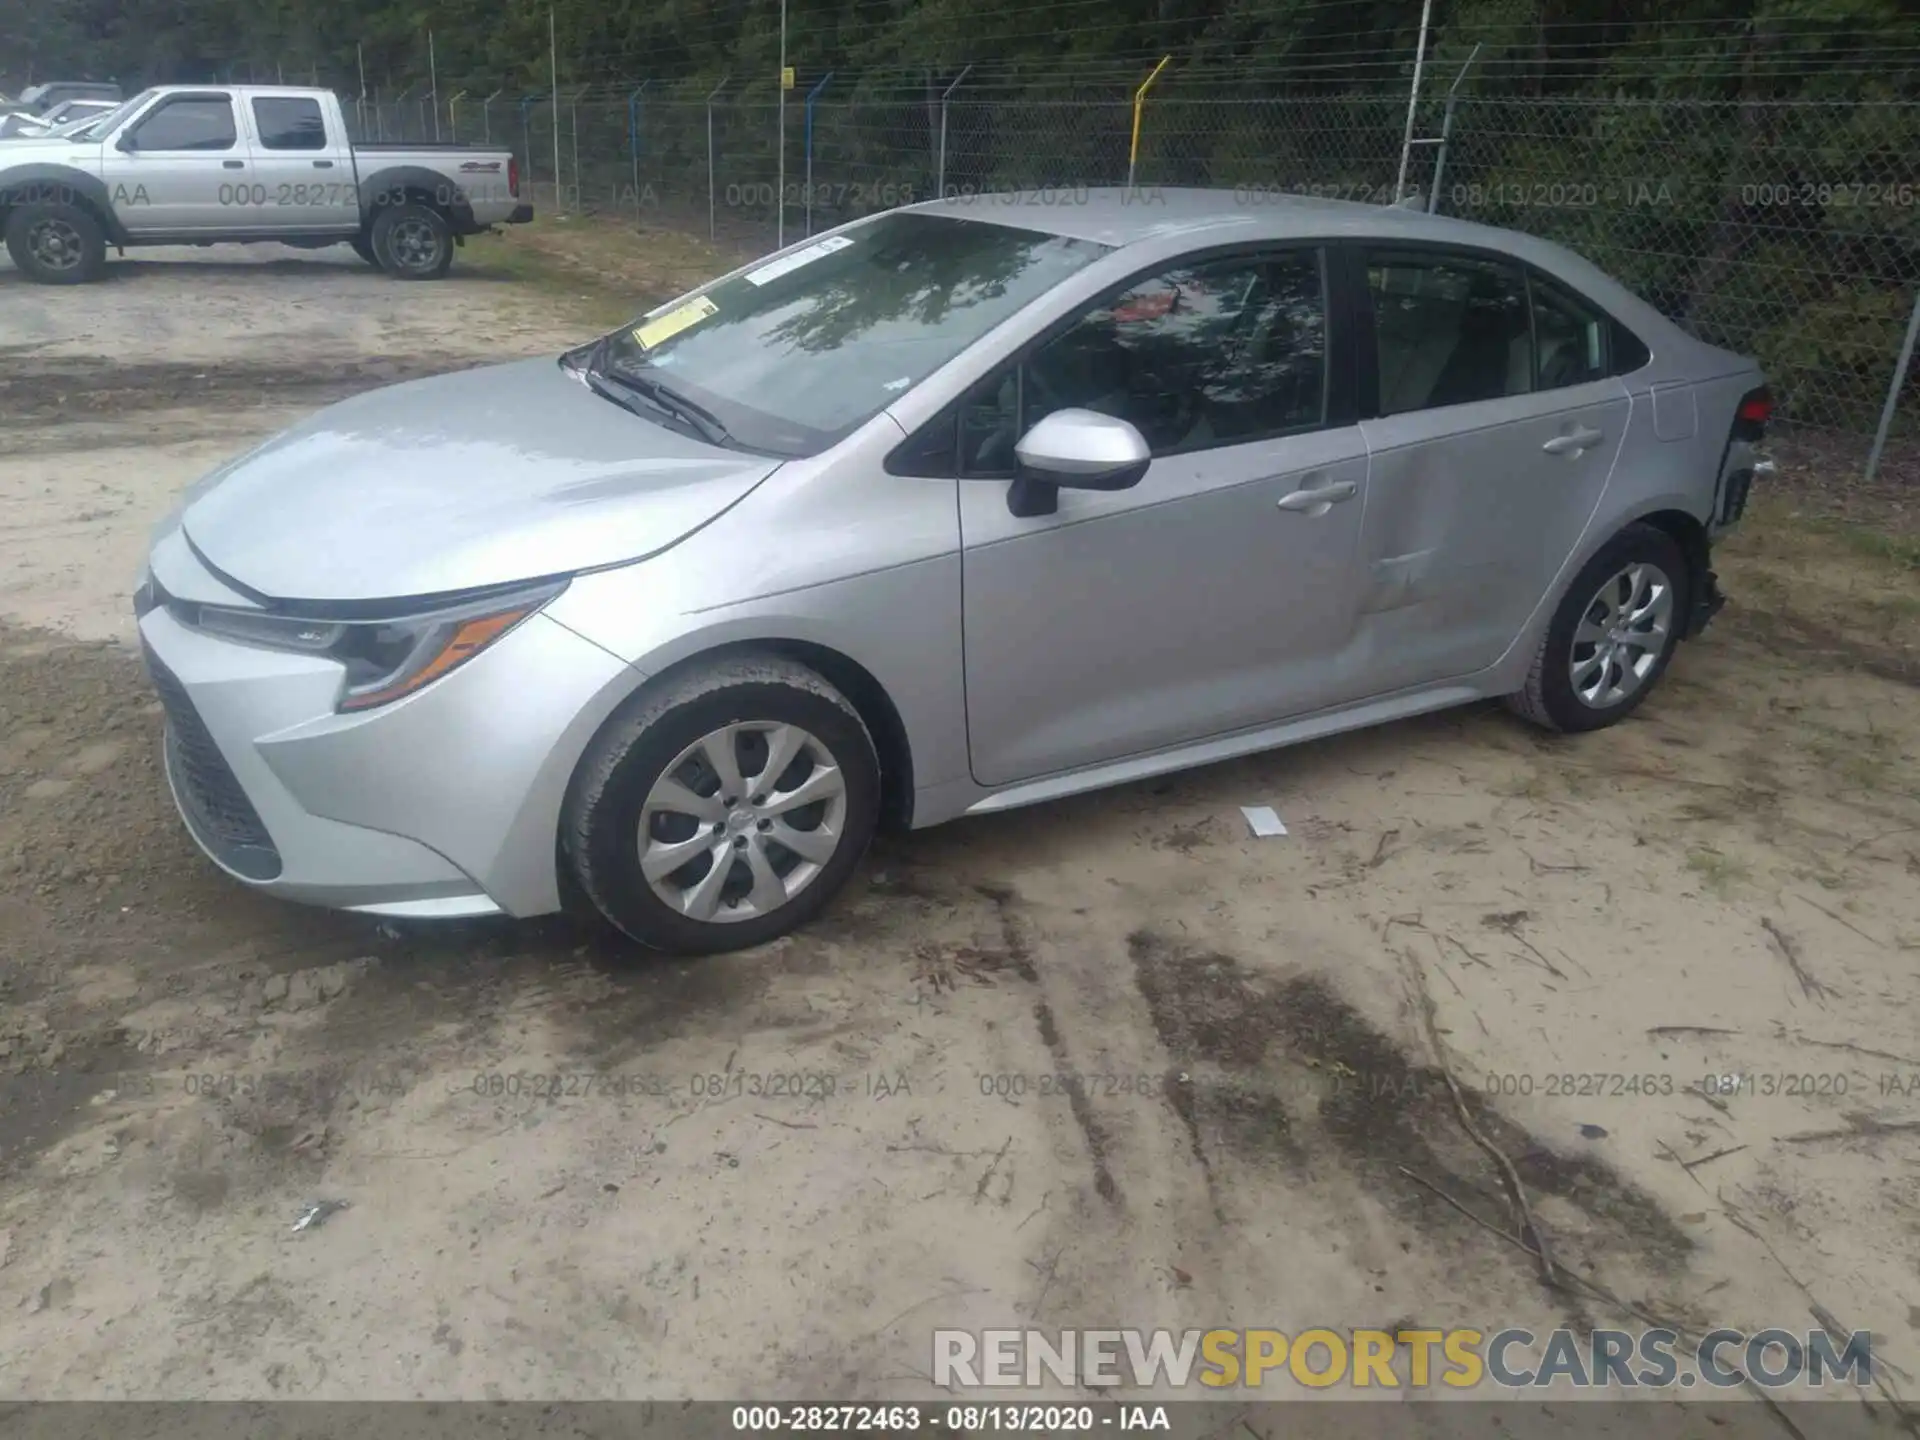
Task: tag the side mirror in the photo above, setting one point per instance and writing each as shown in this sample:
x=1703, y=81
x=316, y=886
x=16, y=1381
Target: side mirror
x=1075, y=450
x=124, y=142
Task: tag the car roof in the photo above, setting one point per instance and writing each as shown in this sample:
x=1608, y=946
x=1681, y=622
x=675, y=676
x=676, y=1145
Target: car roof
x=1121, y=217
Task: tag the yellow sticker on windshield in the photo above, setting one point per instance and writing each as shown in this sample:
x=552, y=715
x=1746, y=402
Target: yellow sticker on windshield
x=654, y=332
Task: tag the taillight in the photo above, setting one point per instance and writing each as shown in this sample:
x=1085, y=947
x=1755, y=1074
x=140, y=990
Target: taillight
x=1750, y=420
x=513, y=177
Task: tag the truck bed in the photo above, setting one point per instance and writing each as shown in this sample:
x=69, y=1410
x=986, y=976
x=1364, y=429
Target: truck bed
x=454, y=145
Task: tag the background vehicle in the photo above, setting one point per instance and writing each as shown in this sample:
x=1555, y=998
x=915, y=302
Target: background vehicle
x=957, y=508
x=210, y=164
x=43, y=98
x=68, y=114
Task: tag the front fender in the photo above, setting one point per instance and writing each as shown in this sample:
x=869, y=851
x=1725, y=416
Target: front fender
x=43, y=181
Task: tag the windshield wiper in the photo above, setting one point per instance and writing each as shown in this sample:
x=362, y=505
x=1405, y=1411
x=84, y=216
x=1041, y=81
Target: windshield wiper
x=673, y=402
x=604, y=380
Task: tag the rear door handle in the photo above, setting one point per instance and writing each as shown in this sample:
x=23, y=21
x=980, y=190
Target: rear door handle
x=323, y=164
x=1318, y=499
x=234, y=164
x=1573, y=442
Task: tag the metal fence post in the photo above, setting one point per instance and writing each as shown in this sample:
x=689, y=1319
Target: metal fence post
x=573, y=119
x=1446, y=133
x=940, y=155
x=1413, y=101
x=486, y=117
x=526, y=144
x=1893, y=390
x=453, y=116
x=1139, y=102
x=712, y=95
x=633, y=143
x=812, y=95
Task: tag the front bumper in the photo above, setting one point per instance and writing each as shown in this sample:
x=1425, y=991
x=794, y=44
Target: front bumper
x=445, y=803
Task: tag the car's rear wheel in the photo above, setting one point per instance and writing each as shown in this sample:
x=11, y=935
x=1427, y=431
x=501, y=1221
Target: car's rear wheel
x=56, y=243
x=1612, y=636
x=363, y=247
x=725, y=809
x=412, y=242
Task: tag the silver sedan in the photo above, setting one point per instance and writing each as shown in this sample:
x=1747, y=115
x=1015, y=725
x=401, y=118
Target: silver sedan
x=958, y=507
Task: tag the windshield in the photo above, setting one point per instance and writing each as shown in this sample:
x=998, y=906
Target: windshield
x=794, y=355
x=97, y=127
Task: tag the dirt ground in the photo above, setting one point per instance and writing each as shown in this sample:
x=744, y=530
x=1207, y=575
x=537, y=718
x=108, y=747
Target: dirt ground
x=572, y=1174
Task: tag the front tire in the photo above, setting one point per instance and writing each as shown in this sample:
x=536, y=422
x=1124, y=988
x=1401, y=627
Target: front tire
x=725, y=809
x=412, y=242
x=1612, y=636
x=363, y=247
x=55, y=243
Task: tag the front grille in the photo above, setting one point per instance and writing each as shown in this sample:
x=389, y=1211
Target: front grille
x=211, y=800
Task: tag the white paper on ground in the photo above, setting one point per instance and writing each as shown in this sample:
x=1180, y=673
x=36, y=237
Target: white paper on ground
x=797, y=259
x=1262, y=820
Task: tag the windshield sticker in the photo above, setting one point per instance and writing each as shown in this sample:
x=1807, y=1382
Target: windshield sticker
x=797, y=259
x=895, y=386
x=655, y=332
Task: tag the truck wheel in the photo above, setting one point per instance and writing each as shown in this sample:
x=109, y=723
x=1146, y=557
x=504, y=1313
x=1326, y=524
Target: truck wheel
x=55, y=243
x=412, y=242
x=363, y=247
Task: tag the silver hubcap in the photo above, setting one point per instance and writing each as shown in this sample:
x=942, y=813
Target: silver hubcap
x=1622, y=635
x=742, y=821
x=414, y=244
x=55, y=244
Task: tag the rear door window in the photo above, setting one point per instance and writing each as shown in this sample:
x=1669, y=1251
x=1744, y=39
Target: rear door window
x=289, y=122
x=1448, y=330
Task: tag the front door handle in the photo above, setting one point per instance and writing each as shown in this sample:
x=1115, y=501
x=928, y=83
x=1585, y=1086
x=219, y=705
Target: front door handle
x=233, y=164
x=323, y=164
x=1318, y=499
x=1573, y=442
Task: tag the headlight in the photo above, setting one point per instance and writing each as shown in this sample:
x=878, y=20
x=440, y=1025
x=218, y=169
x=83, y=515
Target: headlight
x=386, y=659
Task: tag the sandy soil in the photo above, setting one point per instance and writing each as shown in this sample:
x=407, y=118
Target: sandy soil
x=572, y=1174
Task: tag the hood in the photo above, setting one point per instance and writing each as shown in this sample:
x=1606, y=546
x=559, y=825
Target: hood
x=456, y=482
x=36, y=144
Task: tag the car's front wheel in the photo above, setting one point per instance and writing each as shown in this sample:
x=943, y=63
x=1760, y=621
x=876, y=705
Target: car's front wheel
x=725, y=809
x=1612, y=636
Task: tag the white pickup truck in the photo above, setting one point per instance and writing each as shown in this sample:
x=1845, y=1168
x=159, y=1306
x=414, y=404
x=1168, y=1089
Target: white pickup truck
x=212, y=164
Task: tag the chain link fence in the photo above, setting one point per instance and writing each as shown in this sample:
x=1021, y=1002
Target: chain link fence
x=1788, y=230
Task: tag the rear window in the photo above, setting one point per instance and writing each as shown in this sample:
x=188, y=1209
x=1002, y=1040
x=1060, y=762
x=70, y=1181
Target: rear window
x=289, y=123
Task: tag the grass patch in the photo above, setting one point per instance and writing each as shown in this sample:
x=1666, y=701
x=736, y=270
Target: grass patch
x=1826, y=582
x=604, y=269
x=1719, y=873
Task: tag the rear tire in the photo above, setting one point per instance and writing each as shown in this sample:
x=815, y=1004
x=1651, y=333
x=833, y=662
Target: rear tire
x=412, y=242
x=56, y=243
x=1612, y=636
x=725, y=809
x=364, y=249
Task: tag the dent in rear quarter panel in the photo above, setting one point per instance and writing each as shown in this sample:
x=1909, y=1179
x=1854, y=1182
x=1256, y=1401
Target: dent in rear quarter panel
x=829, y=551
